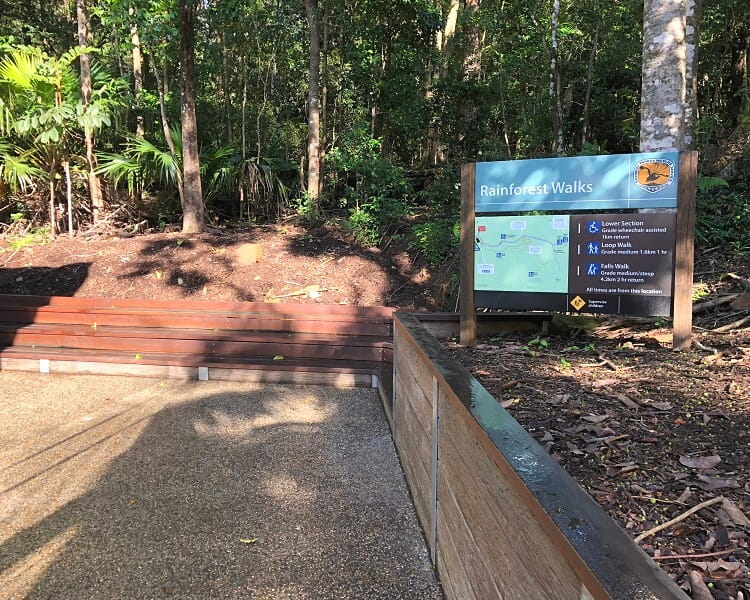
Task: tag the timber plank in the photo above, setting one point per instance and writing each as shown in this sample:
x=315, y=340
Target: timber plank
x=98, y=330
x=82, y=303
x=419, y=399
x=494, y=513
x=206, y=346
x=193, y=320
x=237, y=362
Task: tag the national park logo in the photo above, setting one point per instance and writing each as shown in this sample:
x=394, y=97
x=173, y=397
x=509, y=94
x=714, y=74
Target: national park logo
x=654, y=174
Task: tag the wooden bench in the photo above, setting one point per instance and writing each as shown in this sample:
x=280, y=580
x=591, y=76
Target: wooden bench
x=296, y=343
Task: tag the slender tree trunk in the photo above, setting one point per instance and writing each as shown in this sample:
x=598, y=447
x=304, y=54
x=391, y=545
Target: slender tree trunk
x=135, y=40
x=69, y=196
x=192, y=198
x=161, y=84
x=670, y=34
x=313, y=117
x=589, y=86
x=742, y=67
x=52, y=212
x=472, y=61
x=554, y=81
x=243, y=130
x=95, y=188
x=324, y=100
x=225, y=85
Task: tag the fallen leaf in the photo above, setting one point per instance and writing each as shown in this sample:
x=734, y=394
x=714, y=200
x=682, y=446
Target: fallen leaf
x=138, y=357
x=248, y=540
x=279, y=357
x=157, y=274
x=627, y=401
x=700, y=462
x=547, y=437
x=93, y=326
x=715, y=565
x=685, y=495
x=559, y=399
x=698, y=587
x=508, y=403
x=595, y=418
x=734, y=513
x=716, y=483
x=722, y=536
x=660, y=405
x=603, y=382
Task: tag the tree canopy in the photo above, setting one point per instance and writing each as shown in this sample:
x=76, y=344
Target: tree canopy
x=405, y=92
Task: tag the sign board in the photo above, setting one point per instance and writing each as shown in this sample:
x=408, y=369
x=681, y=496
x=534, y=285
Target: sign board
x=605, y=263
x=594, y=183
x=617, y=262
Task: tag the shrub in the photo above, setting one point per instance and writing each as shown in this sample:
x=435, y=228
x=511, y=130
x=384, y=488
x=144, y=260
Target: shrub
x=436, y=240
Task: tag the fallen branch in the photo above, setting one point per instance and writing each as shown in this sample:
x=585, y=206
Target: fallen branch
x=604, y=362
x=705, y=348
x=744, y=281
x=689, y=556
x=732, y=326
x=708, y=304
x=678, y=518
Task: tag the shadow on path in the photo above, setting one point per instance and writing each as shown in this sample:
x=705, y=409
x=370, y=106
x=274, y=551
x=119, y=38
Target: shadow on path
x=194, y=490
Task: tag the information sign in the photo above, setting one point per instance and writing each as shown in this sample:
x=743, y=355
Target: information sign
x=594, y=183
x=605, y=263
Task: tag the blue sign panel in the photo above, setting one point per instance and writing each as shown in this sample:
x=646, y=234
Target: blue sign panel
x=614, y=181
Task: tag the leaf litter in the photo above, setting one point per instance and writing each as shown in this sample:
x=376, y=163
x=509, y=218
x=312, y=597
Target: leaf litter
x=663, y=438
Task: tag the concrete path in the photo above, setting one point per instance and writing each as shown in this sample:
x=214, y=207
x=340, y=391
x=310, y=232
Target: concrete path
x=119, y=488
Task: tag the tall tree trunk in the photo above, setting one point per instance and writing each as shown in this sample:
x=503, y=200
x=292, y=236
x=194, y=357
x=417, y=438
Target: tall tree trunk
x=161, y=84
x=52, y=212
x=472, y=57
x=313, y=117
x=589, y=86
x=68, y=196
x=95, y=188
x=225, y=86
x=135, y=40
x=670, y=34
x=742, y=67
x=324, y=99
x=554, y=81
x=192, y=196
x=243, y=133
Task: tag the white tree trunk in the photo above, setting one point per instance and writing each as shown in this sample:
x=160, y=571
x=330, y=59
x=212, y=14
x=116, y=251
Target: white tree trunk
x=670, y=36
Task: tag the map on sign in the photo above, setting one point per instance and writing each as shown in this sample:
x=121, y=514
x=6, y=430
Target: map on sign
x=522, y=254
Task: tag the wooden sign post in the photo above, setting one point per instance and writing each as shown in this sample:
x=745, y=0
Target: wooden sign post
x=682, y=295
x=468, y=322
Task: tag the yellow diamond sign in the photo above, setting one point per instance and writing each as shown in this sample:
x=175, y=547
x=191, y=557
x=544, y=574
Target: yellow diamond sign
x=578, y=303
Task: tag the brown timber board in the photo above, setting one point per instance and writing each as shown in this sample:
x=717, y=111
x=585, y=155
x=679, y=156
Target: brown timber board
x=474, y=495
x=217, y=347
x=479, y=432
x=190, y=360
x=192, y=320
x=121, y=304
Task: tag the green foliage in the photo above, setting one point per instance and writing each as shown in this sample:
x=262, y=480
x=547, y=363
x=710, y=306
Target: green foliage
x=33, y=237
x=723, y=218
x=436, y=240
x=374, y=191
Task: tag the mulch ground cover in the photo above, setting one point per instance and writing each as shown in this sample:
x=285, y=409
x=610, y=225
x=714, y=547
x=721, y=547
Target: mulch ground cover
x=660, y=439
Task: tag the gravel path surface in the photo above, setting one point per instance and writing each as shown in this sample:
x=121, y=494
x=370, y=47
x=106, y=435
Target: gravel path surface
x=129, y=488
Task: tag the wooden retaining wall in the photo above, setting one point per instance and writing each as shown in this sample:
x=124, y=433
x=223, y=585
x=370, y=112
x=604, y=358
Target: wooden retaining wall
x=293, y=343
x=501, y=518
